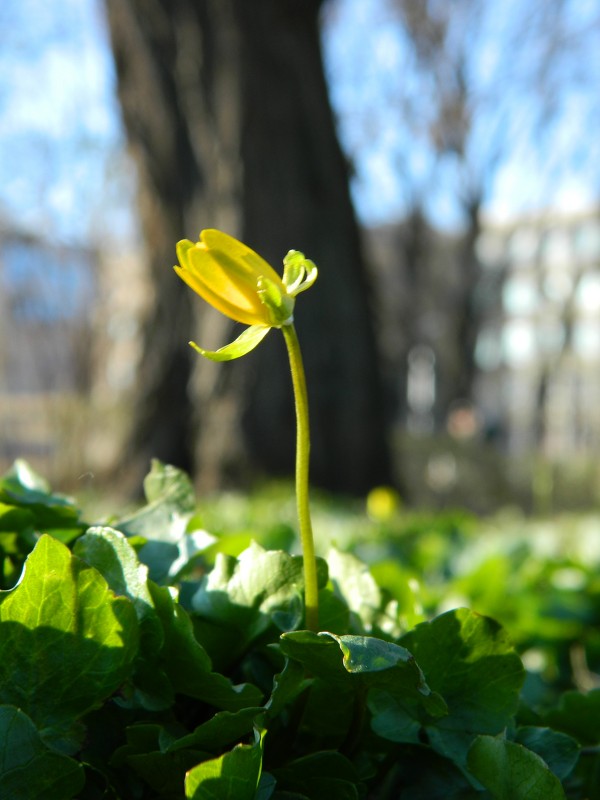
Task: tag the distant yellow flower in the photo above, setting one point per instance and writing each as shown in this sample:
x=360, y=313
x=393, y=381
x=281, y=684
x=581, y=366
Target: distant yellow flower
x=240, y=284
x=383, y=502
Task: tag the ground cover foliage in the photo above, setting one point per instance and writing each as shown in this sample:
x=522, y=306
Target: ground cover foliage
x=162, y=653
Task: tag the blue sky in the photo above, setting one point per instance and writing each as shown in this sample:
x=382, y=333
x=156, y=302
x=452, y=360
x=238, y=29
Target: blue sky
x=366, y=59
x=60, y=135
x=61, y=163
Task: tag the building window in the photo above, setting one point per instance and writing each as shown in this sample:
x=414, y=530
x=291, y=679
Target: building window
x=490, y=248
x=551, y=336
x=518, y=343
x=488, y=350
x=558, y=284
x=520, y=296
x=420, y=388
x=586, y=339
x=556, y=250
x=588, y=293
x=586, y=240
x=523, y=247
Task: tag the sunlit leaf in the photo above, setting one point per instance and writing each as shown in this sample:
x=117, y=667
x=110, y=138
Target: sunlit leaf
x=66, y=642
x=470, y=661
x=246, y=342
x=511, y=772
x=232, y=776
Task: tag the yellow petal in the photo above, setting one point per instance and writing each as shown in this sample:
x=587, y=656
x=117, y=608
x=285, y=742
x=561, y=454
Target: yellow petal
x=182, y=248
x=235, y=299
x=238, y=255
x=234, y=279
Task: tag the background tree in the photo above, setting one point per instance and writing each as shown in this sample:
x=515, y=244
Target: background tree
x=228, y=117
x=474, y=108
x=447, y=102
x=462, y=92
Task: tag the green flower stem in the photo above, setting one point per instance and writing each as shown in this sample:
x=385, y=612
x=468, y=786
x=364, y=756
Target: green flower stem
x=311, y=591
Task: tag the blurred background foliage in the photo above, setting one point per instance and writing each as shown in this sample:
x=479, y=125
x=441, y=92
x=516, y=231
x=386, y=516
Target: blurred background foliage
x=437, y=160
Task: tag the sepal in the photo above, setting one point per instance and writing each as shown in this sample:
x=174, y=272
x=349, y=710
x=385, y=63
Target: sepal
x=279, y=305
x=246, y=342
x=299, y=273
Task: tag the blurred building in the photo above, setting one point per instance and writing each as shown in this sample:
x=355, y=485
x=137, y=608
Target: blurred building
x=69, y=349
x=70, y=340
x=539, y=347
x=47, y=292
x=537, y=310
x=124, y=294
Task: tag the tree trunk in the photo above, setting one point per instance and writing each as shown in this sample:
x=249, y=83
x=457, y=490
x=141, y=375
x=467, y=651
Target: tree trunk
x=226, y=108
x=459, y=372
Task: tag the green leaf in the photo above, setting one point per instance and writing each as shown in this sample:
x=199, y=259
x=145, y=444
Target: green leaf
x=378, y=663
x=469, y=660
x=266, y=787
x=559, y=751
x=349, y=667
x=421, y=774
x=287, y=685
x=334, y=615
x=400, y=716
x=66, y=642
x=151, y=687
x=321, y=776
x=354, y=583
x=328, y=713
x=17, y=539
x=187, y=664
x=511, y=772
x=394, y=718
x=578, y=714
x=168, y=485
x=111, y=554
x=232, y=776
x=28, y=769
x=163, y=521
x=289, y=796
x=246, y=342
x=15, y=519
x=219, y=732
x=319, y=653
x=364, y=654
x=401, y=583
x=145, y=753
x=254, y=591
x=22, y=486
x=164, y=773
x=50, y=512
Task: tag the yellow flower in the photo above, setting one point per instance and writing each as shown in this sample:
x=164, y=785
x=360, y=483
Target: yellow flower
x=240, y=284
x=383, y=502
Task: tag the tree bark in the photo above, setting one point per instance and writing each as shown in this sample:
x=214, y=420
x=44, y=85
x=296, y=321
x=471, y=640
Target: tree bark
x=457, y=382
x=227, y=112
